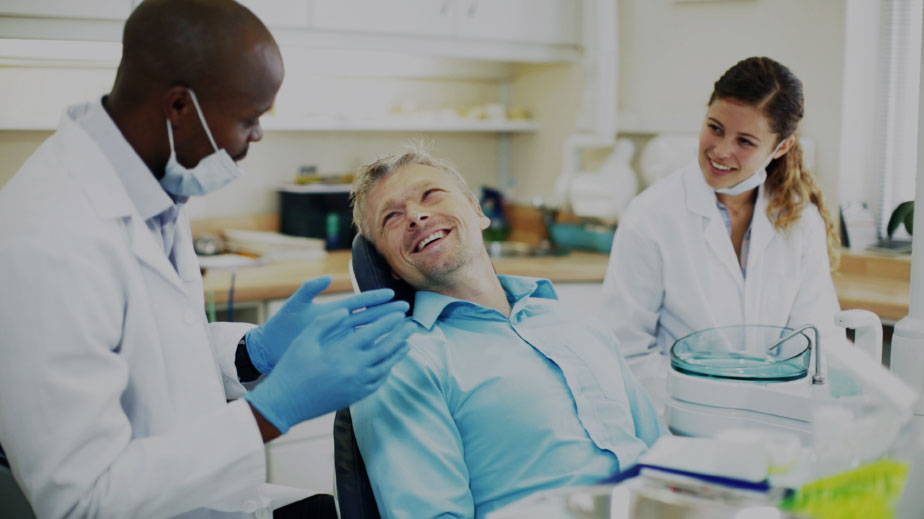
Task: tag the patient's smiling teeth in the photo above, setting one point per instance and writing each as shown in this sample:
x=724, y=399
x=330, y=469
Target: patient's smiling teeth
x=435, y=236
x=719, y=166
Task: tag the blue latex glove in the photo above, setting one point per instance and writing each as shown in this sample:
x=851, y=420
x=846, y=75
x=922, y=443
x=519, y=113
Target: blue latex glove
x=330, y=366
x=267, y=343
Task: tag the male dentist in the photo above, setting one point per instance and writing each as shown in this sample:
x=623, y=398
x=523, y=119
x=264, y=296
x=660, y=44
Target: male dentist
x=505, y=392
x=117, y=398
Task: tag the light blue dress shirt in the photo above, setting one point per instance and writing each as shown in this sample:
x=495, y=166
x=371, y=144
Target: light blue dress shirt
x=745, y=242
x=486, y=409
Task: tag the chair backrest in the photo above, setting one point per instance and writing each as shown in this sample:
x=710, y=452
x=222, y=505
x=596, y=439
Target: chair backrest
x=12, y=501
x=355, y=500
x=371, y=271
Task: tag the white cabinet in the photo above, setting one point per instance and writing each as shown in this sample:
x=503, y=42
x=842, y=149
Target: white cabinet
x=304, y=457
x=94, y=9
x=280, y=13
x=496, y=30
x=402, y=17
x=529, y=21
x=552, y=22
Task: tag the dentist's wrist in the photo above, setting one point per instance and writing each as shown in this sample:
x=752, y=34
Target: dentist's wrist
x=246, y=371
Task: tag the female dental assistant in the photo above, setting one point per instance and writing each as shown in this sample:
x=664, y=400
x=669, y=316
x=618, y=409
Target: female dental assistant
x=741, y=236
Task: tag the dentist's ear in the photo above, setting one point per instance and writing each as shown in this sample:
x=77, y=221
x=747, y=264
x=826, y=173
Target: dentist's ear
x=174, y=102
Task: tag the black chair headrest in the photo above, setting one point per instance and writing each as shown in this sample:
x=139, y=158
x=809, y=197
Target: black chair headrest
x=372, y=271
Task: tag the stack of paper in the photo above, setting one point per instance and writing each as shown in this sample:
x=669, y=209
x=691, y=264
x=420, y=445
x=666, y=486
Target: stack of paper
x=273, y=245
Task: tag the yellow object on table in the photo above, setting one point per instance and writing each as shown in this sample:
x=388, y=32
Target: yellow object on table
x=868, y=492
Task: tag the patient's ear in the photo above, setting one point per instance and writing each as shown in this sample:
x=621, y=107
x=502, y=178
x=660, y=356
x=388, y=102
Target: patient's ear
x=483, y=221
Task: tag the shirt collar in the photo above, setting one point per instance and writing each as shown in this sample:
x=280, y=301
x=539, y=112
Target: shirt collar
x=143, y=189
x=429, y=306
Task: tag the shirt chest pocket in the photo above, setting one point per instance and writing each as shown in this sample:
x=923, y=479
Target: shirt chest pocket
x=596, y=365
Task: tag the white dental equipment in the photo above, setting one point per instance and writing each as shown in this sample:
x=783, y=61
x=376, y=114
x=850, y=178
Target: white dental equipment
x=771, y=395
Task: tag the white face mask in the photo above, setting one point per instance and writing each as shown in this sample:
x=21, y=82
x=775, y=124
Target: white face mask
x=210, y=174
x=752, y=181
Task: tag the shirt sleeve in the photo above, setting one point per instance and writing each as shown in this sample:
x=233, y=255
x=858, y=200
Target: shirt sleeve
x=224, y=338
x=633, y=289
x=411, y=445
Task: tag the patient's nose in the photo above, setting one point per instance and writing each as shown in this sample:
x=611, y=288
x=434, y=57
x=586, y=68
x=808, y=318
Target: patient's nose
x=418, y=217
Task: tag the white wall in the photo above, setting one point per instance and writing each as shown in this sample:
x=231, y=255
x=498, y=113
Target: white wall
x=553, y=93
x=670, y=54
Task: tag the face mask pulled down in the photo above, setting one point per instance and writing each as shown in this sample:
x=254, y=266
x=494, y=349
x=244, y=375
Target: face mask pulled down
x=752, y=181
x=210, y=174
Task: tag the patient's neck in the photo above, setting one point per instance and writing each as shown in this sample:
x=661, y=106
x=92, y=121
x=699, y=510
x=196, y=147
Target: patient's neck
x=477, y=282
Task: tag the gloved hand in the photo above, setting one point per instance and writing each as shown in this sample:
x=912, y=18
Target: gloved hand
x=266, y=343
x=330, y=366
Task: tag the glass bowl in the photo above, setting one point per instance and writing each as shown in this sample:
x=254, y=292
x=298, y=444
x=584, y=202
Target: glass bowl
x=741, y=352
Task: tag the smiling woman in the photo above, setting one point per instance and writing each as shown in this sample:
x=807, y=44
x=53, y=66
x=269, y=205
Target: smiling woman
x=739, y=237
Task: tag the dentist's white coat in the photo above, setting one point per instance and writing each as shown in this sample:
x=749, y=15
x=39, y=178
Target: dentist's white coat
x=673, y=270
x=113, y=387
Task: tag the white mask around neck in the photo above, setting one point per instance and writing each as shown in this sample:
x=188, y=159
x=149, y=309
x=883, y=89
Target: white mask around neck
x=210, y=174
x=758, y=178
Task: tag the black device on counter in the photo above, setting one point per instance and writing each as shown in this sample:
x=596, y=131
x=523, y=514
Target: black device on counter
x=318, y=211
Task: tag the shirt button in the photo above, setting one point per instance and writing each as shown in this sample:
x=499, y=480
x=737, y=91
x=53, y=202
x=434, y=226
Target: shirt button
x=190, y=317
x=249, y=506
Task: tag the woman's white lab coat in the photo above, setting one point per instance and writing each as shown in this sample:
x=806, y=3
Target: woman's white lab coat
x=673, y=270
x=113, y=388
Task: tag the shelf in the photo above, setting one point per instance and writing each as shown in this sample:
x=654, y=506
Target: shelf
x=28, y=126
x=345, y=126
x=386, y=125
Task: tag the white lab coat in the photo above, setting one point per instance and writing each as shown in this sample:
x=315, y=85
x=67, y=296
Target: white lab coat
x=113, y=387
x=673, y=270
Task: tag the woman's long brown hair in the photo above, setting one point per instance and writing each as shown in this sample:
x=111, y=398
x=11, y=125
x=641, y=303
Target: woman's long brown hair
x=774, y=90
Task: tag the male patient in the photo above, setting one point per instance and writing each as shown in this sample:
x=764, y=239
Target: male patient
x=504, y=391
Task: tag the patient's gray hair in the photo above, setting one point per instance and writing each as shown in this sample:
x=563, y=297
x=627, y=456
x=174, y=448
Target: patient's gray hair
x=367, y=176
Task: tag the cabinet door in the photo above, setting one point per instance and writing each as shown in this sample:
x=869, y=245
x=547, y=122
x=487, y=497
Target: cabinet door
x=403, y=17
x=529, y=21
x=88, y=9
x=280, y=13
x=304, y=457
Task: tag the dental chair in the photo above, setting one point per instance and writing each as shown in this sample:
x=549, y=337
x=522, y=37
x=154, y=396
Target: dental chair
x=12, y=501
x=355, y=500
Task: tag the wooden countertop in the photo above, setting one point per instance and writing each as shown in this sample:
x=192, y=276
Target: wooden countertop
x=879, y=283
x=280, y=279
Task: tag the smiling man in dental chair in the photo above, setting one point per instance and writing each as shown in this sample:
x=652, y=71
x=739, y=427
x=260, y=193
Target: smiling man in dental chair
x=505, y=391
